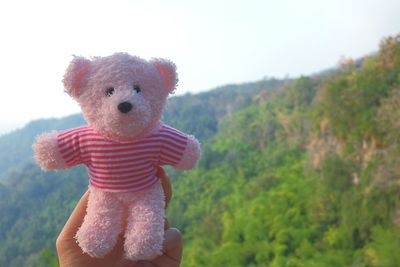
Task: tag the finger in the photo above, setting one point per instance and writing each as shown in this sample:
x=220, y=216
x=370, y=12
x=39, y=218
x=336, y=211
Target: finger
x=166, y=224
x=172, y=249
x=173, y=243
x=165, y=184
x=76, y=218
x=145, y=264
x=161, y=172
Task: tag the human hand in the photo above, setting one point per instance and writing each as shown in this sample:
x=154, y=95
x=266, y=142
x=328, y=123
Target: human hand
x=71, y=255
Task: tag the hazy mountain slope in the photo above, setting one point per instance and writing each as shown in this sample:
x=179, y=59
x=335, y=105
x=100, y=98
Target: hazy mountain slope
x=305, y=176
x=196, y=114
x=201, y=114
x=16, y=147
x=33, y=210
x=32, y=199
x=310, y=178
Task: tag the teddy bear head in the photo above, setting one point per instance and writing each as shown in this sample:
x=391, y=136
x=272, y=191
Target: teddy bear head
x=121, y=96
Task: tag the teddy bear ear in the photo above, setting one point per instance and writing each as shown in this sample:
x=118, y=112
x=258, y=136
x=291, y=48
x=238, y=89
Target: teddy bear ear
x=75, y=75
x=167, y=70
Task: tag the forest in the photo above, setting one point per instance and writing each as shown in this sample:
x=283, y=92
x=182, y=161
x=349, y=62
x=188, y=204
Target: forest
x=294, y=173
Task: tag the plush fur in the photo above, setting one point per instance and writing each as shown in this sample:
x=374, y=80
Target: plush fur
x=87, y=81
x=50, y=159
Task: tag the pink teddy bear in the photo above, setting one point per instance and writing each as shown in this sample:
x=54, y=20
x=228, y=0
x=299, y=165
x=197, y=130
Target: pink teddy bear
x=122, y=98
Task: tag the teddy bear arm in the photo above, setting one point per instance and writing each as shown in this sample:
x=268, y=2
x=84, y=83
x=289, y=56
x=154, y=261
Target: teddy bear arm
x=191, y=154
x=46, y=152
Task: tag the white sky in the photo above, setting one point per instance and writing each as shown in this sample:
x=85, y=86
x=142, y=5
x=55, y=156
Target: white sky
x=213, y=42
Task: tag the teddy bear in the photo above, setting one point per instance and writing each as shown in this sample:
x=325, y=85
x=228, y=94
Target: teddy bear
x=122, y=98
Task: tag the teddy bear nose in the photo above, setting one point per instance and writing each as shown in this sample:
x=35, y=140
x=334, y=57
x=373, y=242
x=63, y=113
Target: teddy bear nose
x=125, y=107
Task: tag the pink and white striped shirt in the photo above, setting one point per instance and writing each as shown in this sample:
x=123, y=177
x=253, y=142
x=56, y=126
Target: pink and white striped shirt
x=122, y=166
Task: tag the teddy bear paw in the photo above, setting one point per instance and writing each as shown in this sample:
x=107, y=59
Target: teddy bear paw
x=94, y=244
x=145, y=250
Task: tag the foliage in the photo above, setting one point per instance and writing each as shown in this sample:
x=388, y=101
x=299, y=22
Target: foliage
x=36, y=207
x=16, y=149
x=258, y=197
x=256, y=200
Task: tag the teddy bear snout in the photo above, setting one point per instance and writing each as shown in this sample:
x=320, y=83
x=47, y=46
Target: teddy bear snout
x=125, y=107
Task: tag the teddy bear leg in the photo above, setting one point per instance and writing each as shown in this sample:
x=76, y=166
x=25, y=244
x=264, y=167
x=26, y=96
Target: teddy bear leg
x=144, y=235
x=102, y=224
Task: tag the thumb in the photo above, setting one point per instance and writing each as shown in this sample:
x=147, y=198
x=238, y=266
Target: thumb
x=75, y=220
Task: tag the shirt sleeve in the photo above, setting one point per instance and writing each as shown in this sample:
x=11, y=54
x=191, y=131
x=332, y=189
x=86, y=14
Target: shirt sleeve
x=68, y=145
x=173, y=145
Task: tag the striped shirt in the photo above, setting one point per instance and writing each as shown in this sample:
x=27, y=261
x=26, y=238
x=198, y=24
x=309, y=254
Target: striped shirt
x=122, y=166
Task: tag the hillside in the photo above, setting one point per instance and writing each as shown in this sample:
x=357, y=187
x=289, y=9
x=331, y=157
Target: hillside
x=309, y=178
x=208, y=109
x=304, y=173
x=16, y=147
x=23, y=181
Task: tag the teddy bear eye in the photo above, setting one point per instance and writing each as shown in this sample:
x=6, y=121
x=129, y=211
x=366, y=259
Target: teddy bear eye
x=110, y=91
x=137, y=88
